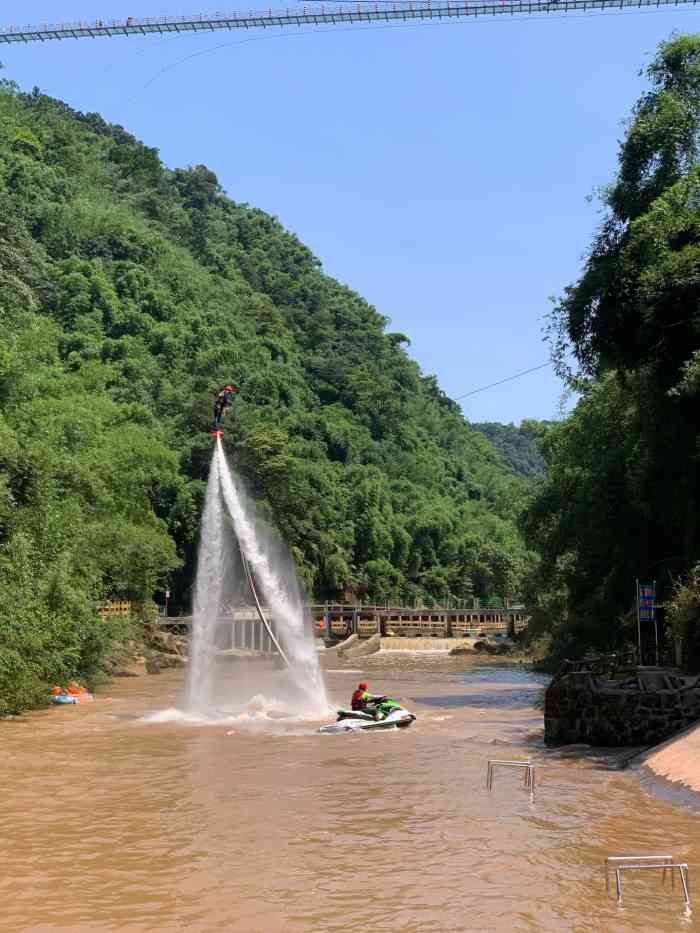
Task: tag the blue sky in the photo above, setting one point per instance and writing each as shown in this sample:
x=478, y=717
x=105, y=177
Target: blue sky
x=442, y=170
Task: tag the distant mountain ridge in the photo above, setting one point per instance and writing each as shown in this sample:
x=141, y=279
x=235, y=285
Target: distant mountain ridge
x=519, y=445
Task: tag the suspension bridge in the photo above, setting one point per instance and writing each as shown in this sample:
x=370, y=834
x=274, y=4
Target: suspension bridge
x=322, y=15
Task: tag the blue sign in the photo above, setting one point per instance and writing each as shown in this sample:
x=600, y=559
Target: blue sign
x=647, y=602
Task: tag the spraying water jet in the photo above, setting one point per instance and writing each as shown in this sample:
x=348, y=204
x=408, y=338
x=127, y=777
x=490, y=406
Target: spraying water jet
x=241, y=561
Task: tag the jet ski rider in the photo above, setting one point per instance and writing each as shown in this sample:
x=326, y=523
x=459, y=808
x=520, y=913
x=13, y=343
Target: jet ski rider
x=361, y=699
x=378, y=706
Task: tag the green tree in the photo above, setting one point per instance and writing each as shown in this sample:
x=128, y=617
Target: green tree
x=620, y=500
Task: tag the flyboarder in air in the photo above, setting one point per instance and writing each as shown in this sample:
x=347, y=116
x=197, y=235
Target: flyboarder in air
x=222, y=401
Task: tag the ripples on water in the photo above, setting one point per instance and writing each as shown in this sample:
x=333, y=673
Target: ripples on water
x=122, y=816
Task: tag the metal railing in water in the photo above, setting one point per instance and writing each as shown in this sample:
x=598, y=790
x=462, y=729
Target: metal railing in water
x=527, y=767
x=680, y=867
x=621, y=861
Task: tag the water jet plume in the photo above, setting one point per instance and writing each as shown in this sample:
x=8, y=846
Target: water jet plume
x=244, y=564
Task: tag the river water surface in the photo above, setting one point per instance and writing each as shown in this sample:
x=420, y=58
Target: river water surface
x=121, y=816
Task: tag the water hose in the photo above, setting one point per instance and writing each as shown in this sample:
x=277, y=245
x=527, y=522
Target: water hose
x=268, y=628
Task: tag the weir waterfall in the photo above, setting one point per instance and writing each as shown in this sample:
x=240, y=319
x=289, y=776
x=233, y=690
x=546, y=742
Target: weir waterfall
x=242, y=561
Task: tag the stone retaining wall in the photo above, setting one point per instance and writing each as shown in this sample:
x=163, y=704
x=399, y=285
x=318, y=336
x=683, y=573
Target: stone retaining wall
x=579, y=707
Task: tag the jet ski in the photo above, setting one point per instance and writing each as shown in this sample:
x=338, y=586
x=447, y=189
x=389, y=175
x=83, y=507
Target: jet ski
x=353, y=720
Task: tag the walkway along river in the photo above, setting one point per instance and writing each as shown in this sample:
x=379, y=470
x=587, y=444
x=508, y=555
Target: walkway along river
x=127, y=815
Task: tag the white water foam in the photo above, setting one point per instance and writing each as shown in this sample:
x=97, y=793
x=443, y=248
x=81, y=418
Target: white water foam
x=258, y=710
x=181, y=716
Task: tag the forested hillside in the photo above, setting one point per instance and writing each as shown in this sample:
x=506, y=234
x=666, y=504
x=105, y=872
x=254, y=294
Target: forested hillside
x=622, y=495
x=520, y=447
x=129, y=293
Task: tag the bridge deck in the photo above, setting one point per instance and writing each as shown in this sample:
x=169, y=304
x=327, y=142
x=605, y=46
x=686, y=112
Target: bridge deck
x=318, y=15
x=242, y=628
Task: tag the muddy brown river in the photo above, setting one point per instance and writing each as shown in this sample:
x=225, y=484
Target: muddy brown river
x=120, y=816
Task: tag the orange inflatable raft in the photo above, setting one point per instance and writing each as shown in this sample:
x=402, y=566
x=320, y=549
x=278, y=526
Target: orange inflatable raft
x=71, y=695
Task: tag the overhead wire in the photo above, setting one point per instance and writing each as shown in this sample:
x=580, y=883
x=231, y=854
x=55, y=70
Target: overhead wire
x=500, y=382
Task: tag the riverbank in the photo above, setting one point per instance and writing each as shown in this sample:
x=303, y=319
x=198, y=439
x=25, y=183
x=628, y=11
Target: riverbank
x=677, y=760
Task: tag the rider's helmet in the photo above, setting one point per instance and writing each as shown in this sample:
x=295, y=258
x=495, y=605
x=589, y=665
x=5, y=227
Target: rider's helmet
x=362, y=686
x=229, y=388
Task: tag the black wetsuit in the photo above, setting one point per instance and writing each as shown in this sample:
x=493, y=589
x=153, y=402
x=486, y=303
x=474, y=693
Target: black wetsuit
x=222, y=401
